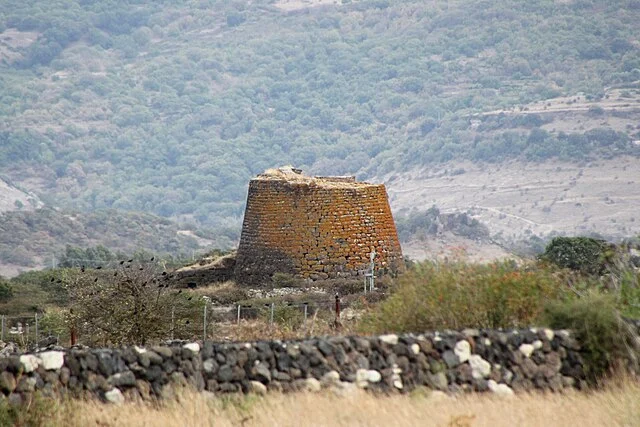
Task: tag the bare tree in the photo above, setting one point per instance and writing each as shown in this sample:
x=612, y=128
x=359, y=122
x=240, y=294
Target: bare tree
x=131, y=304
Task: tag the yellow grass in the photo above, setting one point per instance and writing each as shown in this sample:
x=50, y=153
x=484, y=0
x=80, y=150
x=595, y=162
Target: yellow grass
x=616, y=406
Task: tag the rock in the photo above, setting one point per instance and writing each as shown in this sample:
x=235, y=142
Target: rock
x=7, y=382
x=439, y=381
x=499, y=389
x=257, y=387
x=415, y=349
x=26, y=385
x=15, y=399
x=312, y=385
x=29, y=362
x=210, y=366
x=480, y=367
x=548, y=333
x=225, y=374
x=330, y=378
x=450, y=358
x=361, y=378
x=261, y=372
x=391, y=339
x=165, y=352
x=469, y=332
x=122, y=379
x=526, y=349
x=373, y=376
x=52, y=360
x=193, y=346
x=462, y=350
x=114, y=396
x=154, y=358
x=537, y=345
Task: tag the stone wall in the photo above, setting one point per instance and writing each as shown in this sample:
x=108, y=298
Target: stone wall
x=472, y=360
x=315, y=229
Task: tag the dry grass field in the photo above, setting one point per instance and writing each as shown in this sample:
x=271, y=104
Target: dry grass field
x=617, y=405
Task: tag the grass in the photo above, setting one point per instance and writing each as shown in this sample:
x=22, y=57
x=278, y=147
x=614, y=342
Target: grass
x=617, y=405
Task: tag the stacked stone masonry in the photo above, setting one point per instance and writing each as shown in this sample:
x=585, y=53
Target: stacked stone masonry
x=315, y=229
x=501, y=362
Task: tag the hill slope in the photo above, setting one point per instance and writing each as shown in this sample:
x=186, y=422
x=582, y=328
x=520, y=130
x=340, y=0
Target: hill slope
x=170, y=107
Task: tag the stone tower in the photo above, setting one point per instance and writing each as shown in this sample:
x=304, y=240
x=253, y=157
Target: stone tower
x=315, y=228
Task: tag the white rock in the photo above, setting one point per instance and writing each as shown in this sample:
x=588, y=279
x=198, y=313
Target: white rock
x=52, y=360
x=397, y=383
x=437, y=338
x=480, y=368
x=549, y=334
x=526, y=349
x=331, y=377
x=373, y=376
x=114, y=396
x=564, y=333
x=258, y=388
x=534, y=330
x=193, y=346
x=362, y=378
x=139, y=350
x=507, y=376
x=537, y=345
x=312, y=385
x=29, y=362
x=391, y=339
x=487, y=342
x=462, y=350
x=499, y=389
x=415, y=348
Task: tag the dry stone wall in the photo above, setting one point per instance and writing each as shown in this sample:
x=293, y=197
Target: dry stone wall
x=315, y=229
x=501, y=362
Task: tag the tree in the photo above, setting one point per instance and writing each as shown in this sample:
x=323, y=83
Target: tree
x=131, y=304
x=584, y=254
x=6, y=291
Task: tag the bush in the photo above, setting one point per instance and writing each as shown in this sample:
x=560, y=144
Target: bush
x=605, y=338
x=454, y=296
x=583, y=254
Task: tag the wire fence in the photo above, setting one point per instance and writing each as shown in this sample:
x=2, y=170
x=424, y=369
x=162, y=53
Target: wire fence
x=22, y=330
x=28, y=331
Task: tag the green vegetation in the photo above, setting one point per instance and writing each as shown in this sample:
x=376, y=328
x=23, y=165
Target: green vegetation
x=456, y=296
x=596, y=323
x=41, y=237
x=421, y=224
x=169, y=107
x=584, y=254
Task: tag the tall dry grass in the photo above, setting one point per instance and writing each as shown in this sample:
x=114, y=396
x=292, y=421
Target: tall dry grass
x=617, y=405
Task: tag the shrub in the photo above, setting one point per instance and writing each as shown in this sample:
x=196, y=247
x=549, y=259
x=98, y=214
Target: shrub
x=605, y=338
x=583, y=254
x=454, y=296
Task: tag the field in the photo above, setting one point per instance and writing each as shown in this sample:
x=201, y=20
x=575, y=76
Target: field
x=617, y=405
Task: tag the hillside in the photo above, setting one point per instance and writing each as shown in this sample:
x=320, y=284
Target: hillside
x=170, y=107
x=36, y=239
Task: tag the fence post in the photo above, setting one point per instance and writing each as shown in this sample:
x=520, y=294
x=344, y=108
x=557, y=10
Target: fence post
x=37, y=331
x=238, y=314
x=306, y=306
x=272, y=308
x=173, y=315
x=337, y=323
x=204, y=332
